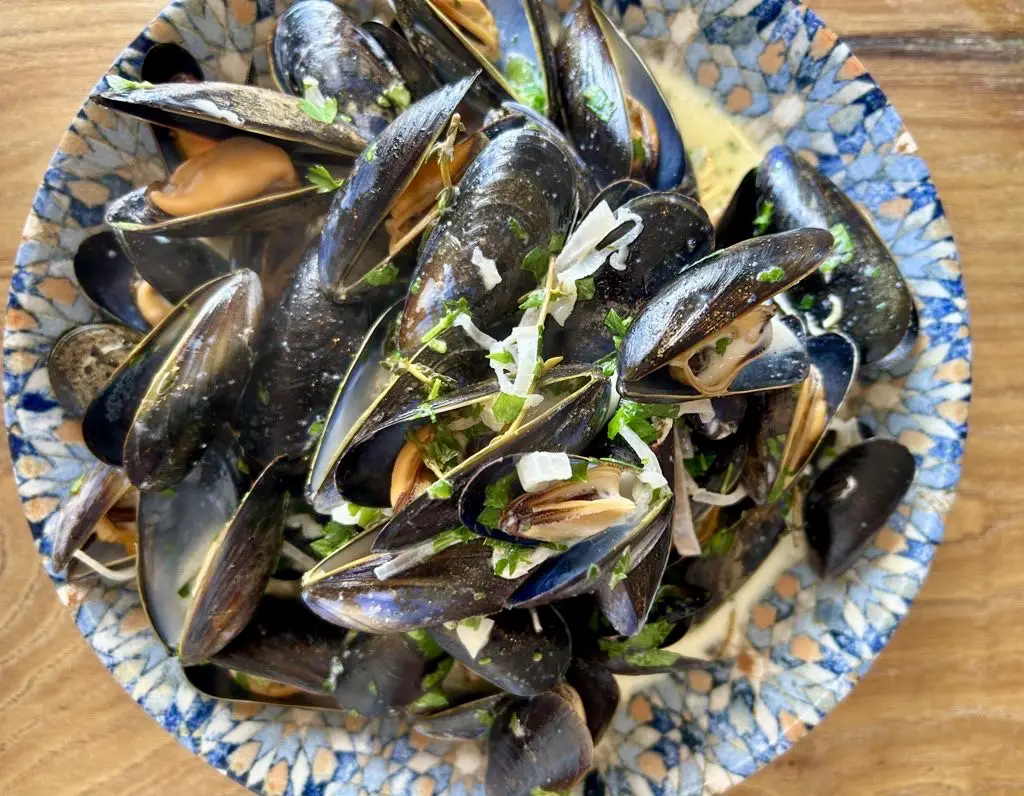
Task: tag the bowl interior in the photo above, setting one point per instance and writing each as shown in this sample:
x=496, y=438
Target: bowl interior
x=786, y=77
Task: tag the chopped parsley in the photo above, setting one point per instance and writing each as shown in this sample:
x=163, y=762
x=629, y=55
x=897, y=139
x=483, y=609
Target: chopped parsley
x=579, y=471
x=425, y=644
x=324, y=181
x=496, y=497
x=370, y=153
x=432, y=700
x=510, y=557
x=527, y=82
x=556, y=242
x=763, y=220
x=442, y=451
x=119, y=83
x=262, y=394
x=316, y=430
x=600, y=104
x=842, y=251
x=639, y=151
x=593, y=571
x=440, y=490
x=486, y=661
x=773, y=274
x=76, y=485
x=807, y=302
x=452, y=310
x=507, y=407
x=517, y=229
x=623, y=564
x=650, y=659
x=384, y=274
x=417, y=283
x=538, y=657
x=585, y=288
x=617, y=325
x=536, y=262
x=337, y=535
x=535, y=298
x=720, y=543
x=637, y=416
x=396, y=95
x=650, y=637
x=699, y=464
x=722, y=345
x=315, y=105
x=872, y=271
x=776, y=445
x=502, y=357
x=451, y=537
x=484, y=717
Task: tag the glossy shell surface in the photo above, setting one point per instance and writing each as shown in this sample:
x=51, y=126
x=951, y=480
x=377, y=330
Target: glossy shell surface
x=832, y=107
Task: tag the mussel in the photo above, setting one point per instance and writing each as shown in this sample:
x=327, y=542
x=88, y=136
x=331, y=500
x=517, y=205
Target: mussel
x=82, y=361
x=615, y=111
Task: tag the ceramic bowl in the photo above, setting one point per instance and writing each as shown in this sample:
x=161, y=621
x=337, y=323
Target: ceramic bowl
x=775, y=66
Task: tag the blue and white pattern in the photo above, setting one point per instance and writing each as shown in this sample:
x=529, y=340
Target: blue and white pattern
x=771, y=62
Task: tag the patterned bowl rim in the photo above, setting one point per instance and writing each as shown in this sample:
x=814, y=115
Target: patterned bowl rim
x=808, y=642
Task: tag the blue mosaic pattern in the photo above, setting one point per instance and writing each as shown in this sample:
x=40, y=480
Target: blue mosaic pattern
x=775, y=65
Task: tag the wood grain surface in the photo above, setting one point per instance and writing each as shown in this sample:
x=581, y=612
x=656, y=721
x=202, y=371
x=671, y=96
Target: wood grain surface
x=942, y=711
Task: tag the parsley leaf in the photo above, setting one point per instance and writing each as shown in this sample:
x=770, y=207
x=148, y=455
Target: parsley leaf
x=396, y=95
x=496, y=498
x=536, y=262
x=585, y=288
x=517, y=229
x=336, y=536
x=452, y=310
x=507, y=407
x=621, y=569
x=842, y=251
x=807, y=302
x=773, y=274
x=617, y=325
x=600, y=104
x=722, y=345
x=765, y=211
x=720, y=543
x=119, y=83
x=315, y=105
x=526, y=82
x=323, y=179
x=637, y=416
x=451, y=537
x=384, y=274
x=440, y=490
x=699, y=464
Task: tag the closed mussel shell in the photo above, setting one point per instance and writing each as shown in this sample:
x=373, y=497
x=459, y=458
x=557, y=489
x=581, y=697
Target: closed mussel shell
x=109, y=280
x=876, y=306
x=315, y=39
x=627, y=603
x=468, y=721
x=174, y=267
x=539, y=743
x=599, y=692
x=418, y=78
x=197, y=386
x=517, y=198
x=82, y=361
x=850, y=500
x=520, y=652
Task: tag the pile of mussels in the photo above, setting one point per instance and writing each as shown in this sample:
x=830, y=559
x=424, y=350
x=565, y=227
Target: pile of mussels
x=429, y=386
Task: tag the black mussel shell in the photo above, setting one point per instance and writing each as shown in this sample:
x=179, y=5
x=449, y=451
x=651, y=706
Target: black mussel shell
x=177, y=528
x=736, y=224
x=852, y=498
x=676, y=234
x=834, y=359
x=354, y=241
x=599, y=691
x=710, y=295
x=221, y=110
x=456, y=583
x=567, y=425
x=173, y=266
x=468, y=721
x=539, y=743
x=728, y=415
x=91, y=498
x=236, y=569
x=316, y=39
x=109, y=280
x=169, y=62
x=365, y=381
x=862, y=274
x=627, y=604
x=83, y=359
x=119, y=563
x=418, y=79
x=198, y=384
x=306, y=345
x=284, y=642
x=517, y=199
x=523, y=652
x=598, y=71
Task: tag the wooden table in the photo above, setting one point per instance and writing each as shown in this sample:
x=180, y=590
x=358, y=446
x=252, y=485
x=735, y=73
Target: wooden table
x=941, y=713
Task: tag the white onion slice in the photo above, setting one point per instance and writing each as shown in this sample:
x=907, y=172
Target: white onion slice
x=651, y=474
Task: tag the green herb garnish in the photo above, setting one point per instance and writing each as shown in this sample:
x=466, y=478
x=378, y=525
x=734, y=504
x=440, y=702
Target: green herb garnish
x=396, y=95
x=526, y=82
x=119, y=83
x=323, y=179
x=370, y=153
x=699, y=464
x=842, y=250
x=536, y=262
x=585, y=288
x=617, y=325
x=720, y=543
x=637, y=416
x=722, y=345
x=600, y=104
x=807, y=302
x=765, y=211
x=440, y=490
x=517, y=229
x=425, y=643
x=496, y=498
x=315, y=105
x=384, y=274
x=621, y=569
x=452, y=537
x=452, y=310
x=507, y=407
x=773, y=274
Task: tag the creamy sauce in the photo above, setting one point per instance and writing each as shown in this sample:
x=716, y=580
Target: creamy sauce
x=720, y=150
x=717, y=636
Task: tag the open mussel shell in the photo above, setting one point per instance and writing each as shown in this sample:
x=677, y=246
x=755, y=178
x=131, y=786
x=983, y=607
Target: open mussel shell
x=109, y=280
x=851, y=499
x=315, y=39
x=601, y=559
x=135, y=213
x=174, y=267
x=718, y=300
x=196, y=387
x=604, y=83
x=102, y=561
x=736, y=224
x=676, y=234
x=235, y=569
x=365, y=381
x=468, y=721
x=787, y=426
x=354, y=241
x=522, y=653
x=333, y=668
x=111, y=414
x=578, y=398
x=417, y=77
x=518, y=62
x=862, y=276
x=306, y=345
x=456, y=583
x=539, y=743
x=91, y=498
x=168, y=62
x=82, y=361
x=222, y=110
x=517, y=200
x=729, y=411
x=177, y=528
x=627, y=604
